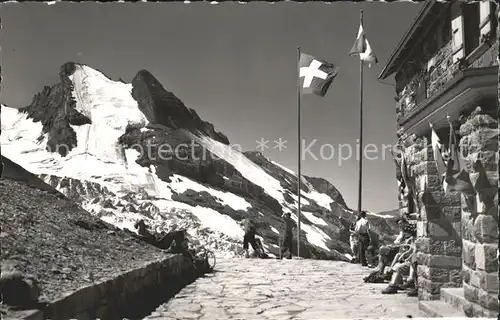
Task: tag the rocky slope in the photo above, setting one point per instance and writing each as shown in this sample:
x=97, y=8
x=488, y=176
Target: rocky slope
x=135, y=151
x=57, y=246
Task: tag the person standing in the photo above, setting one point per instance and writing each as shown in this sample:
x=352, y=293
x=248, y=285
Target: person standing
x=354, y=241
x=286, y=250
x=362, y=230
x=249, y=237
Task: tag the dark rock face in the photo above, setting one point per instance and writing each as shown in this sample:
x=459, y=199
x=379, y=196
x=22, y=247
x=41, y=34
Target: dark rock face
x=55, y=107
x=323, y=186
x=163, y=107
x=186, y=158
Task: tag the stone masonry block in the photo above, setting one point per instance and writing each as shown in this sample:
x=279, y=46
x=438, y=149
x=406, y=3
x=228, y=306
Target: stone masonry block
x=444, y=230
x=468, y=227
x=423, y=258
x=456, y=277
x=487, y=300
x=421, y=156
x=426, y=167
x=452, y=214
x=447, y=262
x=425, y=295
x=457, y=229
x=435, y=287
x=466, y=274
x=475, y=278
x=437, y=247
x=470, y=293
x=453, y=248
x=423, y=272
x=486, y=229
x=489, y=158
x=486, y=257
x=435, y=274
x=437, y=231
x=492, y=180
x=469, y=254
x=429, y=286
x=433, y=183
x=489, y=281
x=431, y=212
x=484, y=139
x=437, y=198
x=422, y=244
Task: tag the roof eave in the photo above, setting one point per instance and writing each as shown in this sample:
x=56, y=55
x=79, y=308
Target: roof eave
x=386, y=71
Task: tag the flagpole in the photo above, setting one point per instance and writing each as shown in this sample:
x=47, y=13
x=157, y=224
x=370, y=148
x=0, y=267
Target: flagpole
x=360, y=181
x=299, y=145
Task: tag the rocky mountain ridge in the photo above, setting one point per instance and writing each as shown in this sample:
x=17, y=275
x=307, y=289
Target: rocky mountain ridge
x=106, y=125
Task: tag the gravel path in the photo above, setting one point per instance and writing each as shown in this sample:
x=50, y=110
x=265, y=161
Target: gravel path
x=287, y=289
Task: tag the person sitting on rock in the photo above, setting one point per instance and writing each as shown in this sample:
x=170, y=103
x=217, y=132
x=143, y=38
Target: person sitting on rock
x=144, y=233
x=142, y=228
x=401, y=267
x=286, y=248
x=176, y=242
x=249, y=236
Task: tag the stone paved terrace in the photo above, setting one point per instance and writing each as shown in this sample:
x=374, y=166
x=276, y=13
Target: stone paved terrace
x=286, y=289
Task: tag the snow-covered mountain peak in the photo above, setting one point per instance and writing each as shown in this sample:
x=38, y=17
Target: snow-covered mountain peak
x=99, y=141
x=104, y=100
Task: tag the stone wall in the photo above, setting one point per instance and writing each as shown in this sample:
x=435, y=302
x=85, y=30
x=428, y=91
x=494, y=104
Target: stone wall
x=456, y=246
x=415, y=154
x=124, y=295
x=480, y=223
x=439, y=245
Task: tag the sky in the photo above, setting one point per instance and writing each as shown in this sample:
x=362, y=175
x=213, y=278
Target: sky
x=236, y=65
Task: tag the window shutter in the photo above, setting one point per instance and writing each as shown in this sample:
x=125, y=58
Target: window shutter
x=485, y=14
x=457, y=28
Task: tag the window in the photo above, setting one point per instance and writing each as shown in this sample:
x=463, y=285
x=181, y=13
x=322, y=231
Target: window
x=487, y=21
x=446, y=30
x=457, y=38
x=471, y=27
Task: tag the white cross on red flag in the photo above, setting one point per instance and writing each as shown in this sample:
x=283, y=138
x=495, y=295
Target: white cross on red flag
x=315, y=75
